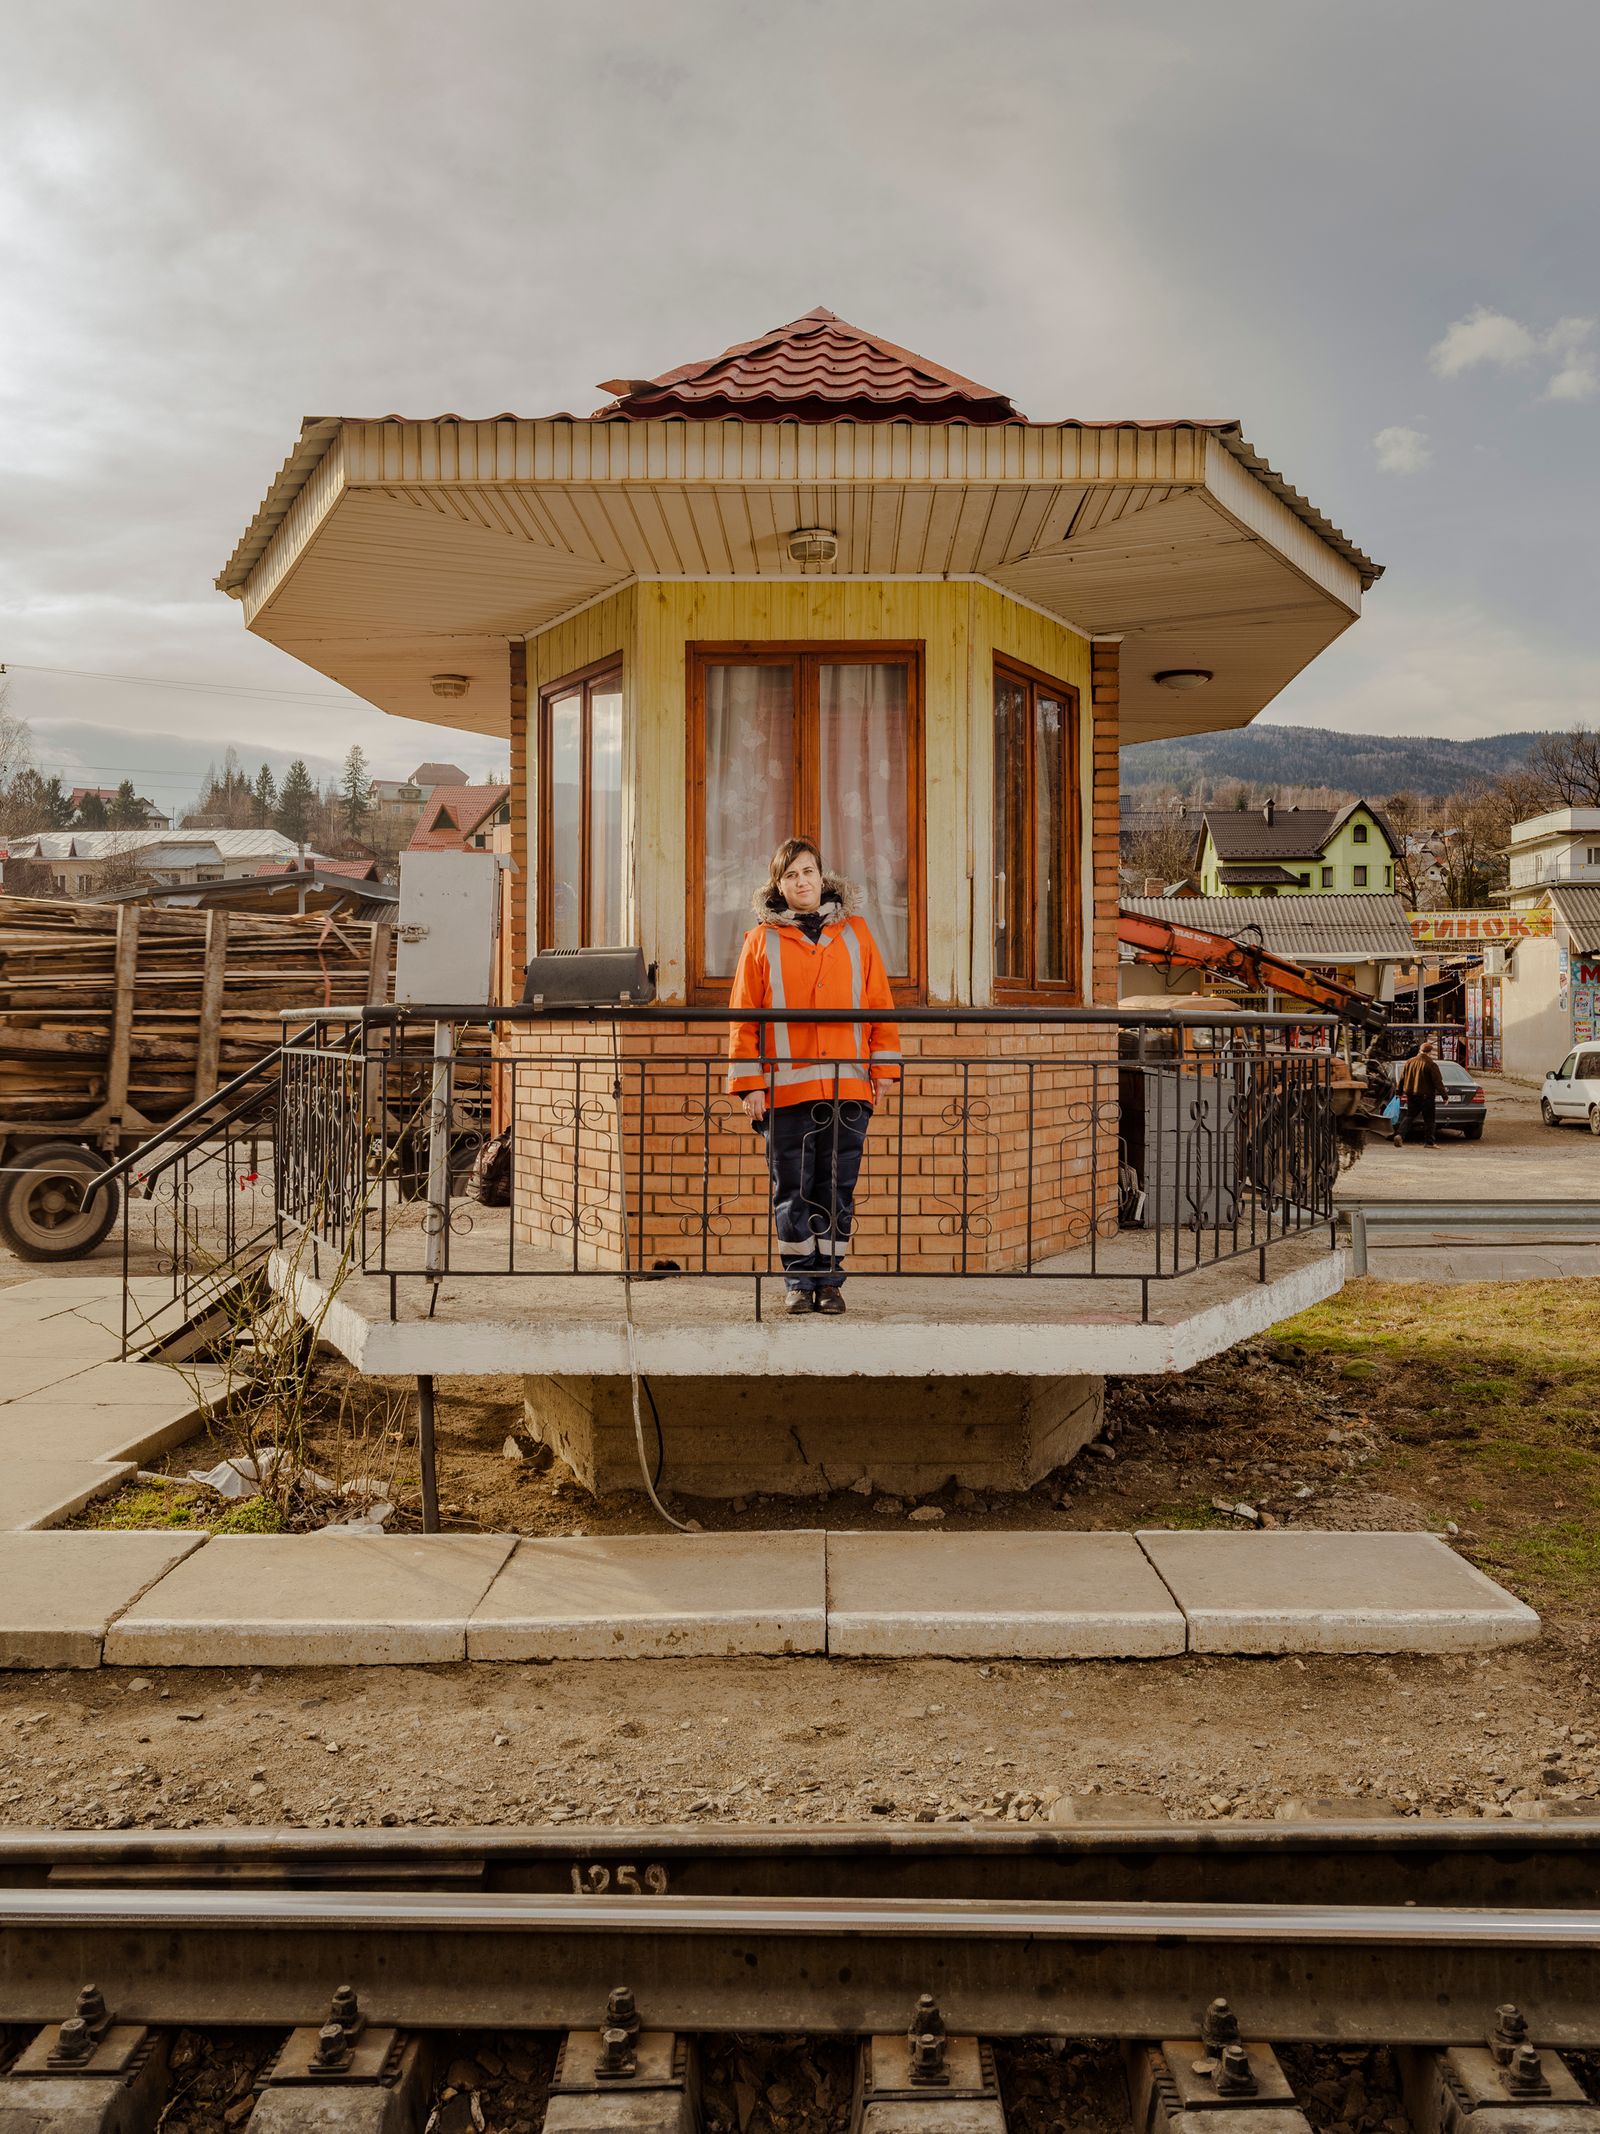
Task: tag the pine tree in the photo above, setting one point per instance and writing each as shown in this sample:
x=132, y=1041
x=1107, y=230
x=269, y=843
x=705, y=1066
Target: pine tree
x=355, y=792
x=57, y=807
x=296, y=798
x=264, y=796
x=127, y=810
x=92, y=812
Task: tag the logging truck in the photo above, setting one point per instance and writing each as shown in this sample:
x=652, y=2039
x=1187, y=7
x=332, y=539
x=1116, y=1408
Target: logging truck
x=114, y=1020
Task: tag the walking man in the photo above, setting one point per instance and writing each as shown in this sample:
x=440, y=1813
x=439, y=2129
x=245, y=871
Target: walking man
x=1421, y=1086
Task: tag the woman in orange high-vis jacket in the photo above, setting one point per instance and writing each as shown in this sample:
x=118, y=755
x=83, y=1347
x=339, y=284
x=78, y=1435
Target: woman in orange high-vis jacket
x=810, y=1087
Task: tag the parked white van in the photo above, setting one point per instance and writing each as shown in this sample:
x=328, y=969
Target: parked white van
x=1572, y=1091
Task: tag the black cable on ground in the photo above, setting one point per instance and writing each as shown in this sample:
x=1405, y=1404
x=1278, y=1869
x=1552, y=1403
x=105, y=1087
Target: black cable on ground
x=661, y=1443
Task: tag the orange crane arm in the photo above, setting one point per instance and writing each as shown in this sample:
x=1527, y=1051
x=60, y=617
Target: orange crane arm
x=1191, y=948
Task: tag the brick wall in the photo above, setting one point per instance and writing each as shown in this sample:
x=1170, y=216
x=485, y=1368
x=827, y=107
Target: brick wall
x=998, y=1135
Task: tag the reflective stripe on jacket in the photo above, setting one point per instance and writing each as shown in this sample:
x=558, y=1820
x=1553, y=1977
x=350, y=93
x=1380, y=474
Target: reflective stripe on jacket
x=780, y=968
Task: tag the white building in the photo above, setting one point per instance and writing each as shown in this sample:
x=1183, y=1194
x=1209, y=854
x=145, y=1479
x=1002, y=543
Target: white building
x=1550, y=994
x=1546, y=850
x=82, y=862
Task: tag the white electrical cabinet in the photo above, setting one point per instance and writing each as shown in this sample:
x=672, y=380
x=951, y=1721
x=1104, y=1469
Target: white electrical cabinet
x=449, y=923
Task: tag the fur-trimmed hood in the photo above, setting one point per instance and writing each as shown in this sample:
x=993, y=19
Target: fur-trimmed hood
x=839, y=901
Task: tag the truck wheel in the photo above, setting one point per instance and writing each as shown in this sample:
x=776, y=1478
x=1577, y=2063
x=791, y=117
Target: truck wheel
x=51, y=1206
x=1547, y=1112
x=1594, y=1120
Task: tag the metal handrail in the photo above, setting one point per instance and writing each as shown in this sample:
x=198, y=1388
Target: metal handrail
x=1167, y=1016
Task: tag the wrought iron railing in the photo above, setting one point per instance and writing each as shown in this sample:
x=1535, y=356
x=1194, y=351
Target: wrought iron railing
x=1068, y=1145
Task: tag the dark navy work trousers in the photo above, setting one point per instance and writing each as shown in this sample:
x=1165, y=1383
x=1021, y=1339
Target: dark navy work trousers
x=814, y=1154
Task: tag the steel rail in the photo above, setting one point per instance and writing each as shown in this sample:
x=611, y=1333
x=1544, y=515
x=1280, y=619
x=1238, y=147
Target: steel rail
x=1439, y=1862
x=1376, y=1974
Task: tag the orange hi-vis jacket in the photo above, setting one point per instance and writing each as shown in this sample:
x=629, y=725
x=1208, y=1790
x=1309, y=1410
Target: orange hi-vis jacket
x=811, y=1063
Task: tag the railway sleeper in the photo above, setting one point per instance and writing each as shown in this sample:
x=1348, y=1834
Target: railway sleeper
x=87, y=2074
x=1217, y=2083
x=925, y=2081
x=1507, y=2085
x=624, y=2079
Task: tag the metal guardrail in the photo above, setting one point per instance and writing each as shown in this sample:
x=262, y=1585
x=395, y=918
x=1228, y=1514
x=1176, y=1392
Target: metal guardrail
x=1564, y=1219
x=642, y=1164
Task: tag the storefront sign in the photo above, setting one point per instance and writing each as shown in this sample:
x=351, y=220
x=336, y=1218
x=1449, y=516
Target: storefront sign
x=1443, y=926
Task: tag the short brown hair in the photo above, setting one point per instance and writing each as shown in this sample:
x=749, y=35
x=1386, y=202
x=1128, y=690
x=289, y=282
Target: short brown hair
x=786, y=855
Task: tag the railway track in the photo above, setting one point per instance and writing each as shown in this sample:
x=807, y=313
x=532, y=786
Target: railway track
x=1471, y=1950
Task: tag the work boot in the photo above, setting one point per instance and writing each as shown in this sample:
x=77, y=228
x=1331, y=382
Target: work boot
x=831, y=1302
x=800, y=1303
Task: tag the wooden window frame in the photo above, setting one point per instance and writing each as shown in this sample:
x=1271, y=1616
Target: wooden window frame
x=587, y=680
x=1056, y=992
x=806, y=655
x=1359, y=876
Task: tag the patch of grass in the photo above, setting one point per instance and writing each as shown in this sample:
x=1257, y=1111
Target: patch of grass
x=1501, y=1383
x=1184, y=1515
x=146, y=1504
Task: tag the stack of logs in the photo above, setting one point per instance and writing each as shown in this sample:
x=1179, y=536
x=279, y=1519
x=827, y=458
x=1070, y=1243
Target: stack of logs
x=118, y=1016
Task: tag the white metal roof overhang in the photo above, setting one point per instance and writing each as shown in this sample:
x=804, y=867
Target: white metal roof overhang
x=388, y=551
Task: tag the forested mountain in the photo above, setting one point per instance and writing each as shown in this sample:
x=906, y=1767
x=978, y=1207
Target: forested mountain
x=1207, y=765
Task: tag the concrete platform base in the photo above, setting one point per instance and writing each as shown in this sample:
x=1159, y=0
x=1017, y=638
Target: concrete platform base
x=796, y=1437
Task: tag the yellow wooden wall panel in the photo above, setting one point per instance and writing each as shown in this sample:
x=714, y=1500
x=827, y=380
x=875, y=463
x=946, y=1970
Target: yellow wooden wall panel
x=960, y=626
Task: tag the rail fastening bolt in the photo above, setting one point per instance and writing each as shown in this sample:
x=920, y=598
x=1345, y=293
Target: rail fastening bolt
x=345, y=2009
x=621, y=2011
x=1235, y=2076
x=1219, y=2026
x=92, y=2006
x=333, y=2047
x=76, y=2041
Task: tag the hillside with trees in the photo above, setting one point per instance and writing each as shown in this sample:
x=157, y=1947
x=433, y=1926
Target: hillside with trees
x=1281, y=760
x=1453, y=842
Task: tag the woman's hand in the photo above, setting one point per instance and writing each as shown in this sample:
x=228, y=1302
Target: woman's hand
x=755, y=1104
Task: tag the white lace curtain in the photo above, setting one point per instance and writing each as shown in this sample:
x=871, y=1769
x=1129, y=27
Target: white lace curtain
x=862, y=716
x=750, y=799
x=855, y=753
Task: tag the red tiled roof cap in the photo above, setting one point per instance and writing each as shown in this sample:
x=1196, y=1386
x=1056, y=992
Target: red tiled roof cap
x=818, y=368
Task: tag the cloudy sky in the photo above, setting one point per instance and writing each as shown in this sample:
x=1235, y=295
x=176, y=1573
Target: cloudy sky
x=1366, y=229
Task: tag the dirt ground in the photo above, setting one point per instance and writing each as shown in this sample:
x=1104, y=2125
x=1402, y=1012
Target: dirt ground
x=1399, y=1406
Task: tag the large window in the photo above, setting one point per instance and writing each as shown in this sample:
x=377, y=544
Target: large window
x=816, y=740
x=580, y=812
x=1037, y=908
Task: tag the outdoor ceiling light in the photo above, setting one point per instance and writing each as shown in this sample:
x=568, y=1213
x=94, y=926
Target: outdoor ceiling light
x=1184, y=677
x=813, y=544
x=451, y=685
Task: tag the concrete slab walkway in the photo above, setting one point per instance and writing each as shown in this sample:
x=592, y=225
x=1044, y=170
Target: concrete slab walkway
x=1332, y=1592
x=340, y=1599
x=75, y=1421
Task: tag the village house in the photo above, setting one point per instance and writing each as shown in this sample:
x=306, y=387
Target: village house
x=1274, y=851
x=461, y=818
x=84, y=863
x=819, y=583
x=1559, y=847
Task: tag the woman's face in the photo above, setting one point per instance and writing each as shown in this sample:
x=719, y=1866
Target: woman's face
x=801, y=883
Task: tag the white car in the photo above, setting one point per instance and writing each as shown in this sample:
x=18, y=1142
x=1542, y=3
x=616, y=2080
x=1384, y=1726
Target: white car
x=1572, y=1090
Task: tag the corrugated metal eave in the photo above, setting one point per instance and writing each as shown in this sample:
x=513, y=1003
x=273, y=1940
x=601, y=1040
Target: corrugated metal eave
x=1577, y=904
x=1230, y=436
x=1361, y=927
x=316, y=435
